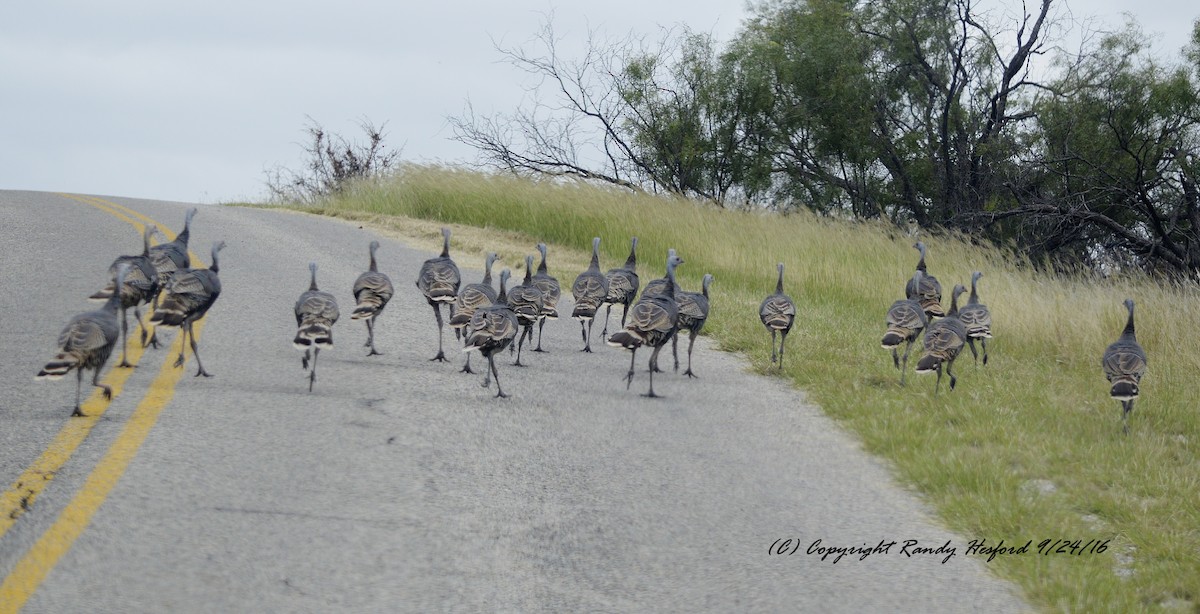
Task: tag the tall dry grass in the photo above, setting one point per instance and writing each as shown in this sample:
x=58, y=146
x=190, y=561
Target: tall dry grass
x=1027, y=448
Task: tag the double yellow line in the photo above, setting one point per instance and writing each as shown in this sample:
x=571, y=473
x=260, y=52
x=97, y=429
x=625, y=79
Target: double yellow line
x=28, y=574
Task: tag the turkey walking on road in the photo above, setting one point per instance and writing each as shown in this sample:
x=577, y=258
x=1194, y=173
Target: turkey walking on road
x=550, y=295
x=86, y=343
x=1124, y=365
x=471, y=298
x=141, y=286
x=492, y=329
x=652, y=323
x=658, y=286
x=187, y=297
x=316, y=313
x=693, y=313
x=526, y=302
x=372, y=291
x=169, y=258
x=590, y=289
x=438, y=280
x=622, y=287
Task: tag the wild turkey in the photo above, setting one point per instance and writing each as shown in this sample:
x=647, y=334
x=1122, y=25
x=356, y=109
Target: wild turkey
x=86, y=343
x=141, y=286
x=186, y=298
x=693, y=313
x=777, y=313
x=944, y=339
x=168, y=258
x=978, y=320
x=929, y=291
x=1124, y=365
x=316, y=313
x=658, y=286
x=622, y=287
x=492, y=329
x=550, y=295
x=526, y=302
x=905, y=321
x=372, y=291
x=590, y=289
x=471, y=298
x=439, y=281
x=651, y=323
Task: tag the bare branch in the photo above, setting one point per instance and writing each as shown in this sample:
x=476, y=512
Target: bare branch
x=332, y=164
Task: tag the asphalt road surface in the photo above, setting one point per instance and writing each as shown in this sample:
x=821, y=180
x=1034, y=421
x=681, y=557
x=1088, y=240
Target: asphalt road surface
x=402, y=485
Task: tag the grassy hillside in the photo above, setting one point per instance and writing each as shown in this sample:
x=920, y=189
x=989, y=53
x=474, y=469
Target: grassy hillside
x=1027, y=448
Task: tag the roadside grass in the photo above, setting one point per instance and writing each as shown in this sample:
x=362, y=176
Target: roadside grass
x=1028, y=447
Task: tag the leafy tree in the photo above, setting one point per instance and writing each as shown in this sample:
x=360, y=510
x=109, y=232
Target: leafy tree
x=691, y=127
x=1112, y=175
x=907, y=108
x=917, y=111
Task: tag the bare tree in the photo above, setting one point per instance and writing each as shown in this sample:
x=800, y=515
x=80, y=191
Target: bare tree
x=583, y=132
x=332, y=163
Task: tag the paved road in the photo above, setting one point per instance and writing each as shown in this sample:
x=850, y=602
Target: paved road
x=401, y=484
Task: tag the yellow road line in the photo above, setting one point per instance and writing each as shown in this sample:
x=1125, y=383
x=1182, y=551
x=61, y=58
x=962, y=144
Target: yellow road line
x=19, y=497
x=32, y=569
x=120, y=210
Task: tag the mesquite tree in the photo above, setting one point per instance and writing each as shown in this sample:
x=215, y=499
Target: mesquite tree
x=1111, y=178
x=931, y=112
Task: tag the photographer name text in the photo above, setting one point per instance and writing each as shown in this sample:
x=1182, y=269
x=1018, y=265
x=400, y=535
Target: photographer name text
x=915, y=548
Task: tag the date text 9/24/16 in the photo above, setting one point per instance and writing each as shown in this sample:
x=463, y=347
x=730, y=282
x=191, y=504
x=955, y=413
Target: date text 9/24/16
x=915, y=548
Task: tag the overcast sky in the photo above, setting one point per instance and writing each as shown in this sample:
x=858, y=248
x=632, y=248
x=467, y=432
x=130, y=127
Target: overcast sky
x=194, y=101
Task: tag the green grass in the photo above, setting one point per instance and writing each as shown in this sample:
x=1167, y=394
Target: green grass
x=1038, y=414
